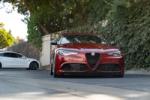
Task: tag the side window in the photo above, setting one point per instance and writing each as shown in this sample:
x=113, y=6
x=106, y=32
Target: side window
x=59, y=41
x=63, y=41
x=55, y=41
x=18, y=55
x=12, y=55
x=7, y=55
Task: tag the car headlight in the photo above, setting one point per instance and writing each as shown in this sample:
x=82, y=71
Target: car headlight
x=67, y=52
x=115, y=53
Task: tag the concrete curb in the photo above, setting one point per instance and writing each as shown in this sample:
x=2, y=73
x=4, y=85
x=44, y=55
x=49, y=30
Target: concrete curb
x=142, y=71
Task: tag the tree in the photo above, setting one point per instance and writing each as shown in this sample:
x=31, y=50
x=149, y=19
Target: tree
x=48, y=16
x=128, y=26
x=6, y=38
x=124, y=22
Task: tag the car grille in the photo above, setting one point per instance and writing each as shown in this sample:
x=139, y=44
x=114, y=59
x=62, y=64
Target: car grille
x=108, y=67
x=74, y=67
x=92, y=59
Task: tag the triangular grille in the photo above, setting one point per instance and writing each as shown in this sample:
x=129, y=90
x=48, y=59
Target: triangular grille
x=92, y=59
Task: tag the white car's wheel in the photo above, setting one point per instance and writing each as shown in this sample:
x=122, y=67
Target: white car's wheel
x=0, y=65
x=33, y=65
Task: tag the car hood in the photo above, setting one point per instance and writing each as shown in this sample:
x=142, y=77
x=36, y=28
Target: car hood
x=88, y=47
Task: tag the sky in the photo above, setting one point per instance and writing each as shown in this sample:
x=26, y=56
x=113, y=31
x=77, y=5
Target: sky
x=13, y=21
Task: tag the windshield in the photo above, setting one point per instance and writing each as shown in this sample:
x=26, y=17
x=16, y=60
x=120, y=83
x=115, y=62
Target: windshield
x=80, y=39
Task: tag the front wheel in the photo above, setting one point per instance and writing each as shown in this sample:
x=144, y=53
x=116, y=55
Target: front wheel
x=33, y=66
x=53, y=71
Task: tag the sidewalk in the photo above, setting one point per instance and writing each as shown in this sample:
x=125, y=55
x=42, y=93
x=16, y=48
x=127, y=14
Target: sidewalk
x=138, y=71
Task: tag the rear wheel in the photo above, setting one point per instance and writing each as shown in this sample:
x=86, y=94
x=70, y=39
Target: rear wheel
x=51, y=70
x=33, y=66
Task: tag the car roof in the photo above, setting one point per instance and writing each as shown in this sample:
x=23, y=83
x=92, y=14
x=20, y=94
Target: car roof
x=9, y=52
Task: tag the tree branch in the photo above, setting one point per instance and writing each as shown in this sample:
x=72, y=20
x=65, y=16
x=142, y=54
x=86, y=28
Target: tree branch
x=44, y=30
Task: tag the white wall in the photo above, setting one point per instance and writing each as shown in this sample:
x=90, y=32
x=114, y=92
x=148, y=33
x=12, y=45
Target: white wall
x=45, y=54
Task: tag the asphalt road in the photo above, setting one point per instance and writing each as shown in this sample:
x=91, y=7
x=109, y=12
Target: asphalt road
x=21, y=84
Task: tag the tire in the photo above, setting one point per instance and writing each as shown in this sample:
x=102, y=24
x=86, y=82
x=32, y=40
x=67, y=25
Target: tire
x=52, y=69
x=51, y=73
x=0, y=66
x=33, y=66
x=55, y=75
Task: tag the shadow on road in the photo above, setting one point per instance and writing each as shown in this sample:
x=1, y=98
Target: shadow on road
x=13, y=69
x=22, y=83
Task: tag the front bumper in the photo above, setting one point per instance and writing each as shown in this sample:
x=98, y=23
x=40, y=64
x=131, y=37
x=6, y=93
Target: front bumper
x=103, y=74
x=78, y=65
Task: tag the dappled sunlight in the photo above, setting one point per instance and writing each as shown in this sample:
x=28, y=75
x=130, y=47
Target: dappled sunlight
x=103, y=97
x=28, y=85
x=137, y=95
x=43, y=95
x=63, y=96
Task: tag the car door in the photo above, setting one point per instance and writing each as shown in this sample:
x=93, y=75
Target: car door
x=8, y=60
x=22, y=61
x=14, y=60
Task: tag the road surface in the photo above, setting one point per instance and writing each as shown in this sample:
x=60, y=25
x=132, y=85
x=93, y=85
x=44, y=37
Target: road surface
x=21, y=84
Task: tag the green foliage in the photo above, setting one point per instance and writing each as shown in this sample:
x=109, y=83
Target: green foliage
x=34, y=36
x=6, y=38
x=51, y=15
x=129, y=27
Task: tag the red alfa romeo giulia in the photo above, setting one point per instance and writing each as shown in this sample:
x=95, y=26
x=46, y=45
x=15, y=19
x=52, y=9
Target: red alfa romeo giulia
x=84, y=54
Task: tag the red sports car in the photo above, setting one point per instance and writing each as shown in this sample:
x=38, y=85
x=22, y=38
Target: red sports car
x=85, y=54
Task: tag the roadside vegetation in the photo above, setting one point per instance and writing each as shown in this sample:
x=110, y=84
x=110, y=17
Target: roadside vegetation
x=124, y=22
x=26, y=49
x=6, y=39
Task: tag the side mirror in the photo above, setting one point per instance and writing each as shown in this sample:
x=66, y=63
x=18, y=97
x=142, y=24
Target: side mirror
x=53, y=43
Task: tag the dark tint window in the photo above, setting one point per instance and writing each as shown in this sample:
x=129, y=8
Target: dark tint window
x=13, y=55
x=80, y=39
x=1, y=54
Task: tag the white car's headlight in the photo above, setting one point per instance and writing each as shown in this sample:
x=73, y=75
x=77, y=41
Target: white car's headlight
x=115, y=53
x=67, y=52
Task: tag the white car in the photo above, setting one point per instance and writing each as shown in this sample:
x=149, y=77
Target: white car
x=10, y=59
